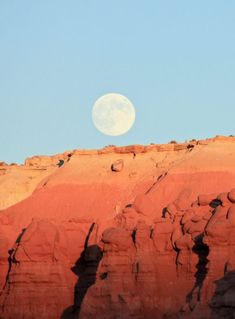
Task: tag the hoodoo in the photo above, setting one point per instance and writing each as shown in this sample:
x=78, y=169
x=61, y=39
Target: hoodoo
x=105, y=234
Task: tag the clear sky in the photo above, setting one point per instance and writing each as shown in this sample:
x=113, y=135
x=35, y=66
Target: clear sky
x=175, y=60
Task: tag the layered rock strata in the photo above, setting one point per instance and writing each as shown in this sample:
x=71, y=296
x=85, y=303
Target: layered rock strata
x=135, y=232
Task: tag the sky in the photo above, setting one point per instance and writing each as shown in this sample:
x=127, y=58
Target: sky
x=175, y=60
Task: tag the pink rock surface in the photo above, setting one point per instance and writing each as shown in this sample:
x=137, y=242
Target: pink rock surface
x=153, y=239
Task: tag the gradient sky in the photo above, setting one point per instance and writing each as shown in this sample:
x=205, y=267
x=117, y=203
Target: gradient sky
x=175, y=60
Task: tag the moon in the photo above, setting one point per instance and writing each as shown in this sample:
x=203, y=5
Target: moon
x=113, y=114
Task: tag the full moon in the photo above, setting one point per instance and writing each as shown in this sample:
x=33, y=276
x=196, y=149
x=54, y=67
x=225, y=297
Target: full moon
x=113, y=114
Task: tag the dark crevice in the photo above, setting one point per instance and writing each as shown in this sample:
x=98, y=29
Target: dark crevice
x=215, y=203
x=190, y=146
x=136, y=269
x=177, y=257
x=18, y=239
x=88, y=235
x=11, y=258
x=202, y=250
x=164, y=211
x=133, y=235
x=104, y=275
x=159, y=178
x=69, y=157
x=60, y=163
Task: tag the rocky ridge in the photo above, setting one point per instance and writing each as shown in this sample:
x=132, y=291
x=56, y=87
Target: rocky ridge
x=123, y=232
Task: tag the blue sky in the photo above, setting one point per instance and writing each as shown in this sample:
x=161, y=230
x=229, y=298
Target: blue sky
x=175, y=60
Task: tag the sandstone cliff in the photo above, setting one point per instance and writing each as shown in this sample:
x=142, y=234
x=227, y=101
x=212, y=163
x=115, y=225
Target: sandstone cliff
x=122, y=232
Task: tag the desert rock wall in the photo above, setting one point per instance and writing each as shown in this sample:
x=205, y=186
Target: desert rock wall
x=123, y=232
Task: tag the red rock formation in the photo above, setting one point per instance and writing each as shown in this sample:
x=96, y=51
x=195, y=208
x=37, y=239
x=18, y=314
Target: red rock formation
x=150, y=236
x=169, y=267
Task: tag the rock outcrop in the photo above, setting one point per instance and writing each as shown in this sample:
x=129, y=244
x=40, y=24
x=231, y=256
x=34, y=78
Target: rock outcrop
x=153, y=240
x=117, y=166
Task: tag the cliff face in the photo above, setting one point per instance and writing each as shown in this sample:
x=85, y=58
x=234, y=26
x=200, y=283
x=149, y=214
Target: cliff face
x=128, y=232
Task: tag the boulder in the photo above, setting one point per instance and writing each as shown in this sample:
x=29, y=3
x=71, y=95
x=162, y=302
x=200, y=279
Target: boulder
x=117, y=166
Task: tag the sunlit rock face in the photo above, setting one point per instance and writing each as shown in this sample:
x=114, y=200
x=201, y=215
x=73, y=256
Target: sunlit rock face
x=152, y=238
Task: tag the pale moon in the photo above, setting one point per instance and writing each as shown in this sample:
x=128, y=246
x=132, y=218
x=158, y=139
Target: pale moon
x=113, y=114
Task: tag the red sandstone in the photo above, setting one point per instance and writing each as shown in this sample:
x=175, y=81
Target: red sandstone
x=128, y=232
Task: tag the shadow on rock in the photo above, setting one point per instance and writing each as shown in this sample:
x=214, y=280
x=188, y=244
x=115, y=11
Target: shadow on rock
x=202, y=250
x=69, y=313
x=223, y=301
x=85, y=268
